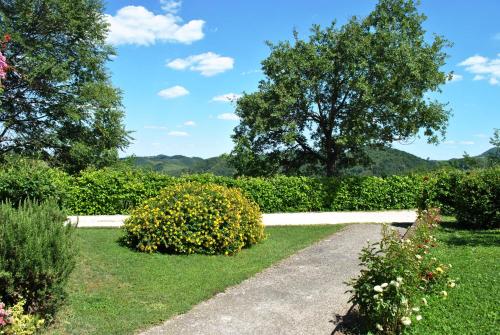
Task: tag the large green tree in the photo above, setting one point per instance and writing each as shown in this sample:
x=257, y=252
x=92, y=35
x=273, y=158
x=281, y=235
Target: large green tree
x=57, y=102
x=324, y=100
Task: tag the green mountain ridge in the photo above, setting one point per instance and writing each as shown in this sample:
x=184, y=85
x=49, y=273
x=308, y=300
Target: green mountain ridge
x=385, y=162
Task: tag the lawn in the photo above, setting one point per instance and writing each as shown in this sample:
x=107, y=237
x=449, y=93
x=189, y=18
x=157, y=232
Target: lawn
x=114, y=290
x=473, y=306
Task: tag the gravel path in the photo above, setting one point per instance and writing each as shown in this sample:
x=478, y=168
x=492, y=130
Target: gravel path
x=297, y=296
x=406, y=216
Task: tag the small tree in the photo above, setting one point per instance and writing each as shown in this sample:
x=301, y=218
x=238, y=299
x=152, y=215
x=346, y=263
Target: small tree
x=57, y=101
x=325, y=100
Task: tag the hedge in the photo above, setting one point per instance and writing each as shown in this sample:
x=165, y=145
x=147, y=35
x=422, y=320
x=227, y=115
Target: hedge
x=109, y=191
x=112, y=191
x=477, y=203
x=118, y=191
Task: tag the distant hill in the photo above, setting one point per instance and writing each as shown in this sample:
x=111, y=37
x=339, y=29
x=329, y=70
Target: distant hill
x=178, y=165
x=385, y=162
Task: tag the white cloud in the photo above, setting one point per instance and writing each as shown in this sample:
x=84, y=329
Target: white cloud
x=228, y=97
x=481, y=135
x=228, y=117
x=171, y=6
x=208, y=63
x=455, y=77
x=190, y=123
x=137, y=25
x=178, y=134
x=155, y=127
x=459, y=142
x=483, y=68
x=173, y=92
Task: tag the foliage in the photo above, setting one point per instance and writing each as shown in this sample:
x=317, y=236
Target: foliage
x=192, y=217
x=15, y=321
x=474, y=307
x=22, y=178
x=477, y=199
x=110, y=282
x=398, y=276
x=113, y=190
x=325, y=100
x=58, y=103
x=36, y=255
x=439, y=190
x=375, y=193
x=178, y=165
x=275, y=194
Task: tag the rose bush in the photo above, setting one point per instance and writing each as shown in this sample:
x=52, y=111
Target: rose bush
x=397, y=276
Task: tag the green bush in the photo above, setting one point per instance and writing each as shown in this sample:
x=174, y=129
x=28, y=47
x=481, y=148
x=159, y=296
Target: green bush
x=477, y=199
x=275, y=194
x=397, y=276
x=375, y=193
x=113, y=191
x=22, y=178
x=192, y=217
x=36, y=255
x=439, y=190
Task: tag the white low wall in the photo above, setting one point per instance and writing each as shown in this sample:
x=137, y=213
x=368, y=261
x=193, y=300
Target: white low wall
x=277, y=219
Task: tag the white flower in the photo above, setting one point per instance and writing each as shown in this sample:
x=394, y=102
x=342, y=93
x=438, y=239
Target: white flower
x=378, y=288
x=418, y=317
x=379, y=327
x=444, y=294
x=394, y=283
x=384, y=285
x=424, y=301
x=375, y=296
x=418, y=257
x=416, y=309
x=406, y=321
x=451, y=284
x=399, y=279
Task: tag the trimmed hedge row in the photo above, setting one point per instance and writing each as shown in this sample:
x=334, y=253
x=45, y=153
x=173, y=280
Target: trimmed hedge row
x=118, y=191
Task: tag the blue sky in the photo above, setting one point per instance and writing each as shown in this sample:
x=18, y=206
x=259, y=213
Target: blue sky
x=179, y=62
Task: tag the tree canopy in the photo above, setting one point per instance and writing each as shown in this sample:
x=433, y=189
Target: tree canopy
x=57, y=101
x=325, y=100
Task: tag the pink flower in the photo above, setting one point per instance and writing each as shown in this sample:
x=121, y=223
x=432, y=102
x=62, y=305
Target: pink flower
x=3, y=66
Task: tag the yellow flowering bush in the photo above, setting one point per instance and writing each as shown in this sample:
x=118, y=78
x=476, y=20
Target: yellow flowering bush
x=14, y=321
x=193, y=217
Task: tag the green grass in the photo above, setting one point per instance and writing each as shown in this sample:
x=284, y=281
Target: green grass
x=473, y=306
x=114, y=290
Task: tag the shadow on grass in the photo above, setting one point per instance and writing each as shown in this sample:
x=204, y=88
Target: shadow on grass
x=459, y=236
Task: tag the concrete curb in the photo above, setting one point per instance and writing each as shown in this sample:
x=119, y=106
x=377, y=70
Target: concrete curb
x=275, y=219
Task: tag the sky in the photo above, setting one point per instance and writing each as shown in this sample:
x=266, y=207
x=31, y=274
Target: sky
x=180, y=64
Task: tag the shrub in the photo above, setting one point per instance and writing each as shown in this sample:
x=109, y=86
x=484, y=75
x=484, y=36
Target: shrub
x=36, y=255
x=192, y=217
x=439, y=190
x=22, y=178
x=14, y=321
x=396, y=276
x=477, y=199
x=113, y=191
x=375, y=193
x=275, y=194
